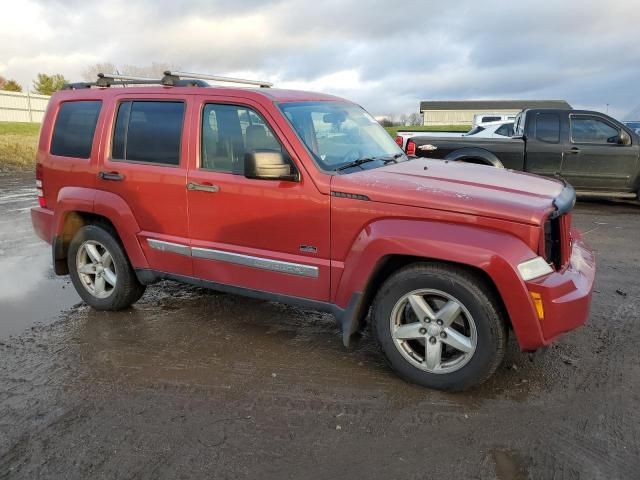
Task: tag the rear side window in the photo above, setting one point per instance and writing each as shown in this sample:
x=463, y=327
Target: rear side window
x=505, y=130
x=74, y=129
x=548, y=127
x=148, y=132
x=491, y=119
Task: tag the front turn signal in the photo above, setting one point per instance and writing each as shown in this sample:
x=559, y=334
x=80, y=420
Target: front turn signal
x=537, y=303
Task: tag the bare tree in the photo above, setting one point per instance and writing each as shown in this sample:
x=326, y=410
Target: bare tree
x=92, y=71
x=154, y=70
x=415, y=119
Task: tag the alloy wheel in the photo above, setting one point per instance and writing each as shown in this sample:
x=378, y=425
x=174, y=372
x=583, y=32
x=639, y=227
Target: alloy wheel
x=96, y=269
x=433, y=331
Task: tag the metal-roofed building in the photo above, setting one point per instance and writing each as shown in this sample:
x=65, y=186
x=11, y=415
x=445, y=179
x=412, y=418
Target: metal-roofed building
x=462, y=112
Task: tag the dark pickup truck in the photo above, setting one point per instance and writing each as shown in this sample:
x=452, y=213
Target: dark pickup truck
x=593, y=152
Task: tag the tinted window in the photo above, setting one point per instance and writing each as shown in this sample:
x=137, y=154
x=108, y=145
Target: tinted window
x=505, y=130
x=148, y=132
x=228, y=132
x=74, y=129
x=548, y=127
x=491, y=119
x=592, y=130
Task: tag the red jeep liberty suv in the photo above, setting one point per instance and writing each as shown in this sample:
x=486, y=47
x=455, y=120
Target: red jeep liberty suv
x=304, y=198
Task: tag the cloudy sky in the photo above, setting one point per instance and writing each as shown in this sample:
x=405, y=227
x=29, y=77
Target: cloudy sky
x=385, y=55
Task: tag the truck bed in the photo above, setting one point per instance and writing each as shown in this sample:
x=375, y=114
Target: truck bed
x=509, y=151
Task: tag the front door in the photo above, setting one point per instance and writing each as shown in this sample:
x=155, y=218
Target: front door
x=594, y=160
x=265, y=235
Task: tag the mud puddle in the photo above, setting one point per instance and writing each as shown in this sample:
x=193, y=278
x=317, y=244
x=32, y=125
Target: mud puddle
x=30, y=294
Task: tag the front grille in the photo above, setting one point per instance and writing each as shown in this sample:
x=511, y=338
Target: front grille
x=557, y=241
x=552, y=252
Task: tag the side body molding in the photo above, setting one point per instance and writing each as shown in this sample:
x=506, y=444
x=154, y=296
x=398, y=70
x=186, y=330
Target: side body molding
x=493, y=252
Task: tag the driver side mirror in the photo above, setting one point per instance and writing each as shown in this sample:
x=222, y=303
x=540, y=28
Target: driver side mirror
x=624, y=138
x=268, y=165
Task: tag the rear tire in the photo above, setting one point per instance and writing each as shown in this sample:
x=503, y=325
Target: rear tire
x=439, y=326
x=100, y=270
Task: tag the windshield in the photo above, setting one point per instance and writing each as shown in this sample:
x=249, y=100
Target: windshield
x=338, y=134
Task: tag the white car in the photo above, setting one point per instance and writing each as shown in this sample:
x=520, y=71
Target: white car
x=481, y=119
x=488, y=130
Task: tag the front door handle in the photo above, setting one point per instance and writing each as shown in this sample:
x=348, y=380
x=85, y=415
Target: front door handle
x=203, y=187
x=573, y=151
x=113, y=176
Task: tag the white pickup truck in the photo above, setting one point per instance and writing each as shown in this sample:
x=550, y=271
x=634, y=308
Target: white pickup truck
x=487, y=130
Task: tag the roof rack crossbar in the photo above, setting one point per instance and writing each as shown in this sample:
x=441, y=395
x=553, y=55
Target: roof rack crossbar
x=172, y=76
x=170, y=79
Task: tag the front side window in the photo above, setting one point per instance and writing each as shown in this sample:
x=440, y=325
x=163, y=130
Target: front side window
x=74, y=129
x=228, y=133
x=548, y=127
x=585, y=129
x=339, y=133
x=148, y=131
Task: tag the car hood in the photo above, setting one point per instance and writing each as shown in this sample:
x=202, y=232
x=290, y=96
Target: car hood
x=457, y=187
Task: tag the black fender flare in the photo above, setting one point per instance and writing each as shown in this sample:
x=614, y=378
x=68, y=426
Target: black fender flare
x=473, y=152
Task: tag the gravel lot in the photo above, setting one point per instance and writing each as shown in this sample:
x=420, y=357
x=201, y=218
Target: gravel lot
x=198, y=384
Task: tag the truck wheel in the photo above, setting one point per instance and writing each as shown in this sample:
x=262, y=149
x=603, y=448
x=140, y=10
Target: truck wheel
x=439, y=326
x=100, y=270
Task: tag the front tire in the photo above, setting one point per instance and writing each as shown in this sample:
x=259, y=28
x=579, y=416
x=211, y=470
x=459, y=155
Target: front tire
x=439, y=326
x=100, y=270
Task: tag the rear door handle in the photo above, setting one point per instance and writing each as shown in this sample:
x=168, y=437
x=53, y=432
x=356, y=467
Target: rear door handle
x=573, y=151
x=113, y=176
x=200, y=187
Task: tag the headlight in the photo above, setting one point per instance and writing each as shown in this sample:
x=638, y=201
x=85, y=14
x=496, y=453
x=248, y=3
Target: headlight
x=534, y=268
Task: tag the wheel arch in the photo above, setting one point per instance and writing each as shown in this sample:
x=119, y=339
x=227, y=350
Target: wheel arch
x=77, y=207
x=389, y=245
x=475, y=155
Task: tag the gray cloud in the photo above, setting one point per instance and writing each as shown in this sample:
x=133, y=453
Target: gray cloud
x=385, y=56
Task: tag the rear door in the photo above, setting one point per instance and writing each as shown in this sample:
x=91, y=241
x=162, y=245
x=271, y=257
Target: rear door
x=266, y=235
x=144, y=163
x=594, y=160
x=544, y=143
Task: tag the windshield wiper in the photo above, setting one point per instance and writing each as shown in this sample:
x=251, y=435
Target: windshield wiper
x=360, y=161
x=356, y=163
x=392, y=158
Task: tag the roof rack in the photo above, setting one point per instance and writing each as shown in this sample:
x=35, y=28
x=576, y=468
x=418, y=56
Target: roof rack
x=169, y=75
x=170, y=79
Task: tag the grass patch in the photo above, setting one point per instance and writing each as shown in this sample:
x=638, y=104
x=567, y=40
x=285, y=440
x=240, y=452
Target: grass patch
x=429, y=128
x=18, y=145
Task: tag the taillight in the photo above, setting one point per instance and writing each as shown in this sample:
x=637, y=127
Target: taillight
x=41, y=201
x=399, y=140
x=411, y=148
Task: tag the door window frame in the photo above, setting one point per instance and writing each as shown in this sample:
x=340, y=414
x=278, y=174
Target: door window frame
x=603, y=119
x=208, y=100
x=143, y=98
